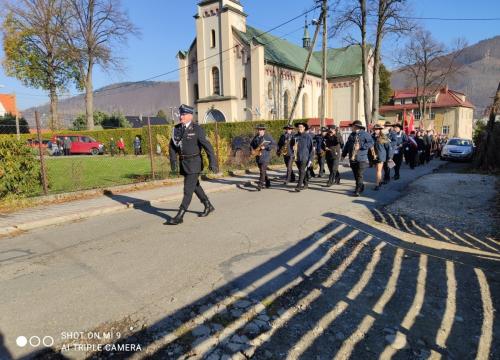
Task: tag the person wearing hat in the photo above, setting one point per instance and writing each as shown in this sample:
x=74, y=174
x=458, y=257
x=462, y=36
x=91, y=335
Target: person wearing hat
x=400, y=140
x=412, y=149
x=188, y=140
x=383, y=152
x=312, y=133
x=302, y=143
x=357, y=146
x=320, y=150
x=285, y=149
x=388, y=131
x=333, y=145
x=261, y=146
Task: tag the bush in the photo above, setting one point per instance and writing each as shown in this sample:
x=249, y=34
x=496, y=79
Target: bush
x=8, y=125
x=19, y=168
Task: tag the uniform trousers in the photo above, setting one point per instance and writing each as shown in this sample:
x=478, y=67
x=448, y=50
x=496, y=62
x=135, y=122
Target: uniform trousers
x=290, y=176
x=303, y=173
x=192, y=184
x=398, y=159
x=333, y=167
x=321, y=163
x=358, y=169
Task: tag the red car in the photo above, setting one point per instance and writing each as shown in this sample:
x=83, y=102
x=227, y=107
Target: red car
x=80, y=144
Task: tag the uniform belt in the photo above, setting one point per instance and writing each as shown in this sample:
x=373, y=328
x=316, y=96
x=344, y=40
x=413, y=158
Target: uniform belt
x=188, y=156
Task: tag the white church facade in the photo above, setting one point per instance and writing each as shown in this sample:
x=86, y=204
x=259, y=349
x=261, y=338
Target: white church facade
x=234, y=72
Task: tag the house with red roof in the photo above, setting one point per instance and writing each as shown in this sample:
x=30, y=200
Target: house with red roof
x=8, y=104
x=451, y=113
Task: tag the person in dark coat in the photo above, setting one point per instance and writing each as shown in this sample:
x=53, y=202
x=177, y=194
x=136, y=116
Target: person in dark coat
x=357, y=146
x=285, y=149
x=427, y=145
x=310, y=168
x=412, y=149
x=302, y=144
x=383, y=152
x=333, y=147
x=319, y=142
x=400, y=141
x=262, y=145
x=421, y=147
x=188, y=140
x=67, y=146
x=388, y=131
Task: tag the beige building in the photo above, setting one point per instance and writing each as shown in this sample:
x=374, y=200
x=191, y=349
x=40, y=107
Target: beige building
x=451, y=113
x=234, y=72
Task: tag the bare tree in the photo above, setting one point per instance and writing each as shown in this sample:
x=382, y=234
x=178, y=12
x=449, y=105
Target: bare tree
x=355, y=13
x=33, y=47
x=390, y=20
x=429, y=64
x=97, y=28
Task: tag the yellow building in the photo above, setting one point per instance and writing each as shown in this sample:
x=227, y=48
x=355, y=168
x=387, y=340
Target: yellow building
x=451, y=113
x=234, y=72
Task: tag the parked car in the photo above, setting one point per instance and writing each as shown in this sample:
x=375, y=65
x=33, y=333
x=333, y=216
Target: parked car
x=81, y=144
x=458, y=149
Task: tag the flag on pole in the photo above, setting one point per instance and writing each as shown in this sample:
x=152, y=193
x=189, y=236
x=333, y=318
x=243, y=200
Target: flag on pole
x=411, y=127
x=405, y=123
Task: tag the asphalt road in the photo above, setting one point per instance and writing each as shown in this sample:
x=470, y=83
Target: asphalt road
x=78, y=276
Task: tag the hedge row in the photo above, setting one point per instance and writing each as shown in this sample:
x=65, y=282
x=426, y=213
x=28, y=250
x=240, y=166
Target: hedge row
x=226, y=130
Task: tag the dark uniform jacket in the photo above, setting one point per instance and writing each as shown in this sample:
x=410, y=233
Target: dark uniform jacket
x=333, y=146
x=305, y=149
x=365, y=143
x=281, y=144
x=319, y=144
x=383, y=148
x=187, y=143
x=400, y=140
x=265, y=156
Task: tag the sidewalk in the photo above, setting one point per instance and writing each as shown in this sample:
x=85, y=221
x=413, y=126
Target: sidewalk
x=53, y=214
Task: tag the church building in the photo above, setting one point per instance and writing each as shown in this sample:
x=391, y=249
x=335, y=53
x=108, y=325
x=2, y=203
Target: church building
x=234, y=72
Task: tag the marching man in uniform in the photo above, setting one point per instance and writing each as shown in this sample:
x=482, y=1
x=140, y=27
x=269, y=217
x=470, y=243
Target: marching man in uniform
x=302, y=144
x=188, y=139
x=333, y=146
x=357, y=146
x=285, y=149
x=261, y=146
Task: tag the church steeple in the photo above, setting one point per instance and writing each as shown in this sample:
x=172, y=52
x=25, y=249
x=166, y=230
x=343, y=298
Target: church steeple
x=306, y=40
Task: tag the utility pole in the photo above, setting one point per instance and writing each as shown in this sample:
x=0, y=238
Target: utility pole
x=308, y=60
x=324, y=8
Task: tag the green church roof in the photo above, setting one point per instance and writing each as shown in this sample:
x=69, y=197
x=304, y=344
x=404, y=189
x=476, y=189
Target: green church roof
x=340, y=62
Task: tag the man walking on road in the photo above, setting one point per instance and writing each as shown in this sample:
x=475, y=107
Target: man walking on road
x=188, y=139
x=357, y=146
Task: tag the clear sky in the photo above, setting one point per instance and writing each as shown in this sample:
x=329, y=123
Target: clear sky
x=168, y=26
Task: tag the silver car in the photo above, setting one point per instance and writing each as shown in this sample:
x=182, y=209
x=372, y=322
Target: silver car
x=458, y=149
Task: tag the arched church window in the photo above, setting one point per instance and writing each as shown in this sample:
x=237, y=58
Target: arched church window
x=286, y=105
x=215, y=81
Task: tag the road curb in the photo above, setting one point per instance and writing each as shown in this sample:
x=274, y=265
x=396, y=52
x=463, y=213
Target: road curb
x=30, y=225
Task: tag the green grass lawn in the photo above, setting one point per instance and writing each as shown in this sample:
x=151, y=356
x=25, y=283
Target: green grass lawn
x=66, y=174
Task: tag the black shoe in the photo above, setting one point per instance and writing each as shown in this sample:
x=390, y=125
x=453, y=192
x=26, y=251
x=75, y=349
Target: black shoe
x=208, y=209
x=376, y=188
x=305, y=187
x=356, y=194
x=268, y=184
x=259, y=187
x=362, y=188
x=297, y=189
x=396, y=177
x=328, y=183
x=178, y=219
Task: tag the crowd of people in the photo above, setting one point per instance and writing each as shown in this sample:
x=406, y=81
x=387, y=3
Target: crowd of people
x=383, y=148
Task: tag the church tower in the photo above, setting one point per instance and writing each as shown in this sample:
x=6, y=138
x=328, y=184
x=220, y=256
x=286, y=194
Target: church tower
x=306, y=40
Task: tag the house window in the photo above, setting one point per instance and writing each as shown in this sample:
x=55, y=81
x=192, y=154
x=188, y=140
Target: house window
x=244, y=88
x=196, y=92
x=212, y=39
x=269, y=91
x=445, y=130
x=215, y=81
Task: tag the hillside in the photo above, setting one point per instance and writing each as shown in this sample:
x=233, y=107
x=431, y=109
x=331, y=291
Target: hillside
x=478, y=78
x=127, y=98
